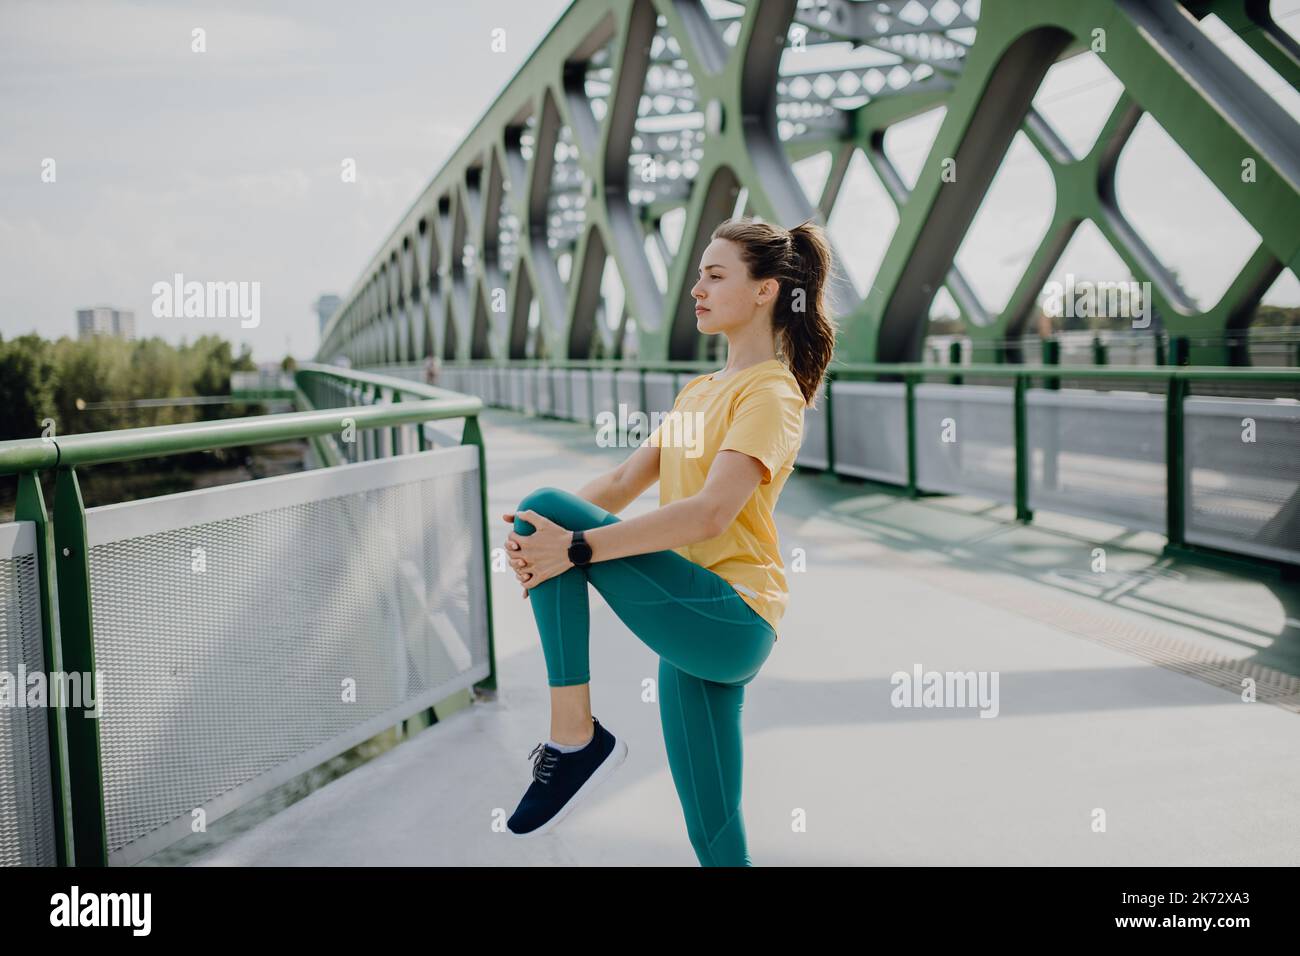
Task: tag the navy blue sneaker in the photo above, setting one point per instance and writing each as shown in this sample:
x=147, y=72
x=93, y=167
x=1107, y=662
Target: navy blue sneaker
x=563, y=780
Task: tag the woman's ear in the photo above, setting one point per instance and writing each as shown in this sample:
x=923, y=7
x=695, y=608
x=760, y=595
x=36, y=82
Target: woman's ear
x=767, y=291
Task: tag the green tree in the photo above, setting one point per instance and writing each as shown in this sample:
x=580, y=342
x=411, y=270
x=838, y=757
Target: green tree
x=27, y=379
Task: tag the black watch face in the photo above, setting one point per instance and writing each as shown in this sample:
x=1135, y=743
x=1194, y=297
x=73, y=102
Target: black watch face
x=580, y=552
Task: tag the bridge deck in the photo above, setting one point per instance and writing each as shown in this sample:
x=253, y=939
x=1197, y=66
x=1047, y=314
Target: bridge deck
x=1118, y=691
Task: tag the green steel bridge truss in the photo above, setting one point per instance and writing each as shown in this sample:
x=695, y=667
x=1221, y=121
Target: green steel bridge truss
x=636, y=125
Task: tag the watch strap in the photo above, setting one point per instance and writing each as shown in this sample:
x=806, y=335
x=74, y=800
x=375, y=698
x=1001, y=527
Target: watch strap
x=576, y=539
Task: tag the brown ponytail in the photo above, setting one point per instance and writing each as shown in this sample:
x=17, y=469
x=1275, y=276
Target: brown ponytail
x=800, y=260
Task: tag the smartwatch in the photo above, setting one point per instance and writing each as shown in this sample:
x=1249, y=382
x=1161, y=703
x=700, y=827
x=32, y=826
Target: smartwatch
x=579, y=550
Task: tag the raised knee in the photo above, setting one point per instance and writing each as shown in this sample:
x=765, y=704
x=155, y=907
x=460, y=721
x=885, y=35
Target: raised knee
x=550, y=503
x=540, y=499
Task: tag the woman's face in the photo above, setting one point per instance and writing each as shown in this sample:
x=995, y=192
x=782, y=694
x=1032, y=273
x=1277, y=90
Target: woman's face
x=725, y=296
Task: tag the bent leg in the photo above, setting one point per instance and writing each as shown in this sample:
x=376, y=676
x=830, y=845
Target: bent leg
x=560, y=604
x=683, y=612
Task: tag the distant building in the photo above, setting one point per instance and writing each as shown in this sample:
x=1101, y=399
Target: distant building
x=103, y=320
x=325, y=306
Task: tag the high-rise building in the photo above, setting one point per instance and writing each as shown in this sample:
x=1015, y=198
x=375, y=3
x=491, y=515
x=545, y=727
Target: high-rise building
x=325, y=307
x=103, y=320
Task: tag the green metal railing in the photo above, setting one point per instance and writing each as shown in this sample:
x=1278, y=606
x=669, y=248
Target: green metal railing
x=63, y=559
x=1176, y=380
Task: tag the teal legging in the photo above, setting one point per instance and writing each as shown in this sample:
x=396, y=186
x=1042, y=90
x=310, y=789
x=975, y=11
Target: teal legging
x=710, y=645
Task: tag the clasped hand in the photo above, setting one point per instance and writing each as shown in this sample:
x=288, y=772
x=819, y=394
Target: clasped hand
x=539, y=556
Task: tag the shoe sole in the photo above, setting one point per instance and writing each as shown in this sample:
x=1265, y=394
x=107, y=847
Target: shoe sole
x=608, y=766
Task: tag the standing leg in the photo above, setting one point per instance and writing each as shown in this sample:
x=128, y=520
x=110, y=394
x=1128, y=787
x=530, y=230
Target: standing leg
x=705, y=743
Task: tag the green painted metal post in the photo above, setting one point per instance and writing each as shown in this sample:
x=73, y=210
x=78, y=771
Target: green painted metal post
x=30, y=506
x=368, y=396
x=1051, y=439
x=362, y=436
x=1052, y=356
x=954, y=358
x=397, y=429
x=1023, y=514
x=1099, y=356
x=1182, y=348
x=1175, y=477
x=422, y=440
x=909, y=406
x=76, y=631
x=473, y=435
x=830, y=424
x=643, y=398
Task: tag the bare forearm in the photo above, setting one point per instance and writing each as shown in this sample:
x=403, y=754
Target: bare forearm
x=675, y=525
x=605, y=491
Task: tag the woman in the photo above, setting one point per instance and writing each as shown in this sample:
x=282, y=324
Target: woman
x=700, y=580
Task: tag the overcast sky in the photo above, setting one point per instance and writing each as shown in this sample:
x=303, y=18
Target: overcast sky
x=225, y=165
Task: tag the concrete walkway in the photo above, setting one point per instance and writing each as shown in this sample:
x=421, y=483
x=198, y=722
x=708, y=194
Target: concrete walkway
x=1119, y=695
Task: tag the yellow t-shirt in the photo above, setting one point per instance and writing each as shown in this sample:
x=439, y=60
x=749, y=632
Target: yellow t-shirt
x=758, y=411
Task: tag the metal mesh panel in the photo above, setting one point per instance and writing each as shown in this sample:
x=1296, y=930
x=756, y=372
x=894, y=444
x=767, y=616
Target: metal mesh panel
x=234, y=677
x=516, y=389
x=814, y=452
x=871, y=430
x=580, y=390
x=602, y=392
x=627, y=386
x=560, y=389
x=26, y=795
x=1243, y=495
x=659, y=392
x=980, y=458
x=1098, y=455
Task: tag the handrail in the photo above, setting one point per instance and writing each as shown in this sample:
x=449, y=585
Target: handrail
x=403, y=385
x=32, y=454
x=629, y=365
x=1199, y=372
